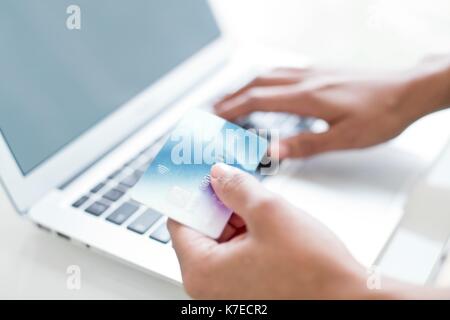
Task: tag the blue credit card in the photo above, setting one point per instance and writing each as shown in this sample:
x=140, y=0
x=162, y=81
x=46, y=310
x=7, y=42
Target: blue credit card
x=177, y=182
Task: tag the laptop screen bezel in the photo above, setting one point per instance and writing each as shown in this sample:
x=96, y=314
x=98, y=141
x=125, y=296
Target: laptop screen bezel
x=24, y=191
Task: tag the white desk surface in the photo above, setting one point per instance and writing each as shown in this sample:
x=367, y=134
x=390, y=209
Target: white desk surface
x=361, y=33
x=33, y=264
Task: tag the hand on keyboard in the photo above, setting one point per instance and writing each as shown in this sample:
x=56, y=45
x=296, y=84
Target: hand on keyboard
x=360, y=109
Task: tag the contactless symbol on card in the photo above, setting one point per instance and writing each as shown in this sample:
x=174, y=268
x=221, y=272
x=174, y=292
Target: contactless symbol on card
x=205, y=183
x=162, y=169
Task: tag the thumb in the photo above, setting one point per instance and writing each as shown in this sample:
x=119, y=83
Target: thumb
x=242, y=193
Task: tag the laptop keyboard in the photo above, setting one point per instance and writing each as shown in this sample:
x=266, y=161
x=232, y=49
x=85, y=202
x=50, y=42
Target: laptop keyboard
x=108, y=199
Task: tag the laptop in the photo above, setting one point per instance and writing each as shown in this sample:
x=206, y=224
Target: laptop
x=84, y=110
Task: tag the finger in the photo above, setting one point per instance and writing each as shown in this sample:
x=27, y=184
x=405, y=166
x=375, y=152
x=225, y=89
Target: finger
x=276, y=77
x=228, y=232
x=240, y=192
x=273, y=79
x=236, y=221
x=239, y=235
x=188, y=243
x=240, y=231
x=275, y=98
x=308, y=144
x=290, y=98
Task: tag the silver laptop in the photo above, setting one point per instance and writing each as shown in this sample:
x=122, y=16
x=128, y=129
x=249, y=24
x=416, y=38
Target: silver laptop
x=83, y=111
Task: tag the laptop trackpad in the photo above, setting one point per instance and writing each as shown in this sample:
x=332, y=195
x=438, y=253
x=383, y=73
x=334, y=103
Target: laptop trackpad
x=358, y=194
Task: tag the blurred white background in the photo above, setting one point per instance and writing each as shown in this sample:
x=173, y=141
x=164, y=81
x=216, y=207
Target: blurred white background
x=361, y=33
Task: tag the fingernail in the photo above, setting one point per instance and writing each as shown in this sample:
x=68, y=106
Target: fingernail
x=221, y=170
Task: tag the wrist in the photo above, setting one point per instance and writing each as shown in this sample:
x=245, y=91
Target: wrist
x=427, y=88
x=349, y=282
x=436, y=72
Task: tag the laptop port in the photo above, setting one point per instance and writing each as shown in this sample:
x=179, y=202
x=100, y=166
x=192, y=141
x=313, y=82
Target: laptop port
x=63, y=236
x=40, y=226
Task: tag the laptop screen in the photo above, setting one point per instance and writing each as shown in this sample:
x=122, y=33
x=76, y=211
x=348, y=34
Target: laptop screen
x=63, y=68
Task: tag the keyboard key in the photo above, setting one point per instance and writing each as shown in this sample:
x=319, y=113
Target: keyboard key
x=97, y=188
x=80, y=202
x=115, y=174
x=133, y=159
x=97, y=208
x=113, y=194
x=122, y=213
x=145, y=221
x=131, y=180
x=161, y=234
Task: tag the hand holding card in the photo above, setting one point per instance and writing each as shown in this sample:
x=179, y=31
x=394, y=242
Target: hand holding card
x=177, y=183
